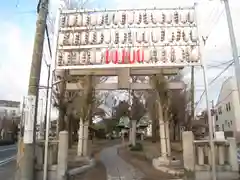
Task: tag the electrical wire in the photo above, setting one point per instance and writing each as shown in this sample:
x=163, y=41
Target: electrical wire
x=219, y=65
x=225, y=97
x=215, y=22
x=225, y=69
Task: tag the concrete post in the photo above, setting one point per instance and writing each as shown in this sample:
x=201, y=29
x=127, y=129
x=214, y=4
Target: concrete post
x=130, y=135
x=142, y=136
x=80, y=138
x=188, y=150
x=168, y=138
x=221, y=155
x=122, y=136
x=200, y=155
x=85, y=140
x=62, y=155
x=134, y=129
x=209, y=155
x=233, y=154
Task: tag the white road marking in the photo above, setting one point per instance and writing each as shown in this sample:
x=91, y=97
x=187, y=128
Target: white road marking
x=7, y=160
x=7, y=149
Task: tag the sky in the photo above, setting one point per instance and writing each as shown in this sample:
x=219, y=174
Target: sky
x=17, y=28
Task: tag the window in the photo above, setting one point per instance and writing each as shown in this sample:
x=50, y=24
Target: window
x=220, y=110
x=5, y=112
x=216, y=117
x=217, y=127
x=228, y=106
x=223, y=127
x=231, y=122
x=14, y=112
x=228, y=124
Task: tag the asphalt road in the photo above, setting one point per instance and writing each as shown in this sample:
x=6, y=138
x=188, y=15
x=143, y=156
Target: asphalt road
x=7, y=162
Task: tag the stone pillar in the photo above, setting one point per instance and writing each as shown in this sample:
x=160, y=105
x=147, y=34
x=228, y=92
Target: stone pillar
x=233, y=154
x=80, y=138
x=62, y=155
x=200, y=154
x=188, y=150
x=134, y=129
x=162, y=138
x=221, y=154
x=85, y=140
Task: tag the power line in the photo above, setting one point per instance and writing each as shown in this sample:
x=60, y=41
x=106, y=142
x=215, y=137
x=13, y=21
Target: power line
x=219, y=65
x=226, y=97
x=213, y=82
x=215, y=22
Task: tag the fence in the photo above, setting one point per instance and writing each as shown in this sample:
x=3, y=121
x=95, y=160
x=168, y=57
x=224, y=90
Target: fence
x=197, y=157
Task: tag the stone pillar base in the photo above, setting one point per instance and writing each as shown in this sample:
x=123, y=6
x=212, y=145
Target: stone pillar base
x=166, y=165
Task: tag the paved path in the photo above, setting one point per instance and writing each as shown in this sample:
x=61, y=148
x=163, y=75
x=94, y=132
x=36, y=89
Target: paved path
x=117, y=168
x=7, y=162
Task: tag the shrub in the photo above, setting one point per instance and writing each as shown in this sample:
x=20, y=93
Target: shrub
x=137, y=147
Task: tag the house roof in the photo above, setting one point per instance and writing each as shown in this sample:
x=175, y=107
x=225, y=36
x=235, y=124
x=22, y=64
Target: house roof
x=7, y=103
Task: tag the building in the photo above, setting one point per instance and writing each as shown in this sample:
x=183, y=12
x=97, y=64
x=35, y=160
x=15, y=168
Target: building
x=9, y=109
x=227, y=109
x=9, y=118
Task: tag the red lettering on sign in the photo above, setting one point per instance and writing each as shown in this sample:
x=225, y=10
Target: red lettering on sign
x=127, y=56
x=123, y=56
x=107, y=57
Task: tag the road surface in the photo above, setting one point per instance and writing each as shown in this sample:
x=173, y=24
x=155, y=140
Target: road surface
x=7, y=162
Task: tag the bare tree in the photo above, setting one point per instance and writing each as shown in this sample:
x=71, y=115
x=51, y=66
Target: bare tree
x=122, y=109
x=138, y=109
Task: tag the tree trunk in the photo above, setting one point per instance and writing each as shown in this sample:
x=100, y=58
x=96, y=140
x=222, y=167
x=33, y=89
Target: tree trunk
x=62, y=112
x=167, y=138
x=162, y=132
x=154, y=130
x=174, y=131
x=167, y=135
x=85, y=140
x=70, y=132
x=62, y=125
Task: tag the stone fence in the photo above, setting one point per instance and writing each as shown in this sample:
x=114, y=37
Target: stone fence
x=57, y=158
x=197, y=158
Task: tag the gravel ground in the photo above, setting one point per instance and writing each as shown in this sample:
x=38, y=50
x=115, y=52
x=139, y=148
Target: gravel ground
x=138, y=160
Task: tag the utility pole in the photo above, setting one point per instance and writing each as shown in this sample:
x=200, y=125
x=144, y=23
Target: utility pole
x=27, y=165
x=47, y=98
x=192, y=98
x=213, y=119
x=233, y=45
